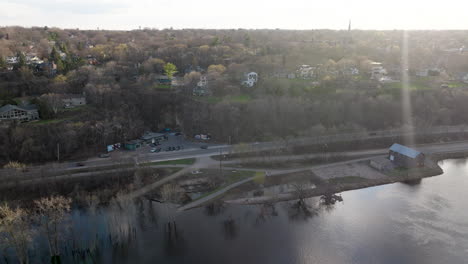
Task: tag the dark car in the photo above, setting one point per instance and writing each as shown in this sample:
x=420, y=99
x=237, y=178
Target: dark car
x=80, y=164
x=155, y=150
x=169, y=149
x=204, y=147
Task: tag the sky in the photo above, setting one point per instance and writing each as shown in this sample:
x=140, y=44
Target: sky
x=249, y=14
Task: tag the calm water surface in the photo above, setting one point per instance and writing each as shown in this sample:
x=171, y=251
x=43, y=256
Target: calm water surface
x=398, y=223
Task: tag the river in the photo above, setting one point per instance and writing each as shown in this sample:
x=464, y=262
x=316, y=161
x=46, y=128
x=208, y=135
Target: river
x=397, y=223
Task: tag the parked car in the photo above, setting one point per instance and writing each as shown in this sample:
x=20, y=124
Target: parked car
x=178, y=134
x=153, y=150
x=104, y=155
x=204, y=147
x=169, y=149
x=80, y=164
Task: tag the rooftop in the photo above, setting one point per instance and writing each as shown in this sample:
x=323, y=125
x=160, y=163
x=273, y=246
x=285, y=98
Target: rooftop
x=409, y=152
x=9, y=107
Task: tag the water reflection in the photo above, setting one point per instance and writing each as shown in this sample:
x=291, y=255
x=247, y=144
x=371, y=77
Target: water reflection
x=396, y=223
x=230, y=228
x=215, y=209
x=265, y=212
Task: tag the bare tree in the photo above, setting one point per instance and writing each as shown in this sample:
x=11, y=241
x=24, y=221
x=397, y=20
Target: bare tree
x=15, y=231
x=51, y=211
x=169, y=192
x=54, y=101
x=300, y=192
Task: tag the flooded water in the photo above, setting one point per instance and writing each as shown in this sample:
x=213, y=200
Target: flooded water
x=398, y=223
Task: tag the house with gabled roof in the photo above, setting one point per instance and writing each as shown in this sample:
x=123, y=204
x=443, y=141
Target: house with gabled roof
x=403, y=156
x=19, y=113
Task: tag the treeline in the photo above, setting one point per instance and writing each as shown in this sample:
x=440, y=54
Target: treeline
x=117, y=71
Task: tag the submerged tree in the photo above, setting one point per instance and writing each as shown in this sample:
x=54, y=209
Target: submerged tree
x=51, y=211
x=15, y=231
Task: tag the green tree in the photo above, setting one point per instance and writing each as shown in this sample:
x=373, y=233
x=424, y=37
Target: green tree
x=215, y=41
x=60, y=65
x=170, y=69
x=21, y=60
x=64, y=48
x=54, y=55
x=2, y=63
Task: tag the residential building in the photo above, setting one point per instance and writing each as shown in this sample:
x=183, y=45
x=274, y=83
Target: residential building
x=291, y=76
x=151, y=137
x=73, y=100
x=350, y=71
x=251, y=79
x=306, y=71
x=202, y=87
x=12, y=60
x=403, y=156
x=377, y=71
x=163, y=80
x=20, y=113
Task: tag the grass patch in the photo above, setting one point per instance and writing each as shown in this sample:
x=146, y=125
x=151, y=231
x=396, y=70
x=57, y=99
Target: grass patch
x=347, y=179
x=76, y=108
x=456, y=85
x=230, y=178
x=49, y=121
x=163, y=86
x=413, y=86
x=170, y=162
x=234, y=177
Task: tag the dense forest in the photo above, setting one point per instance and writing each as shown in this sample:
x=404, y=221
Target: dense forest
x=119, y=73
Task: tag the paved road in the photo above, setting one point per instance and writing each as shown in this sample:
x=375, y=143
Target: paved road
x=192, y=149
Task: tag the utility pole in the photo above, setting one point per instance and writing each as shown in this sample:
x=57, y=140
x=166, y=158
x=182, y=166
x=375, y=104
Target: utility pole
x=221, y=161
x=58, y=152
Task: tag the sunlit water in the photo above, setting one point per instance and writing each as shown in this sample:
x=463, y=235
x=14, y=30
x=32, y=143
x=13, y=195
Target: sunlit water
x=399, y=223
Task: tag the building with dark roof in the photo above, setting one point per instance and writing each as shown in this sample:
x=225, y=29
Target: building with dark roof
x=403, y=156
x=20, y=113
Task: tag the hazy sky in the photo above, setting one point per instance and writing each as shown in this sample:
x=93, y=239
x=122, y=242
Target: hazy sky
x=289, y=14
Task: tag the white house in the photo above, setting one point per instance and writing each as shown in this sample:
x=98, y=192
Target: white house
x=250, y=79
x=12, y=60
x=386, y=79
x=203, y=81
x=351, y=71
x=377, y=71
x=464, y=78
x=72, y=100
x=306, y=71
x=202, y=87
